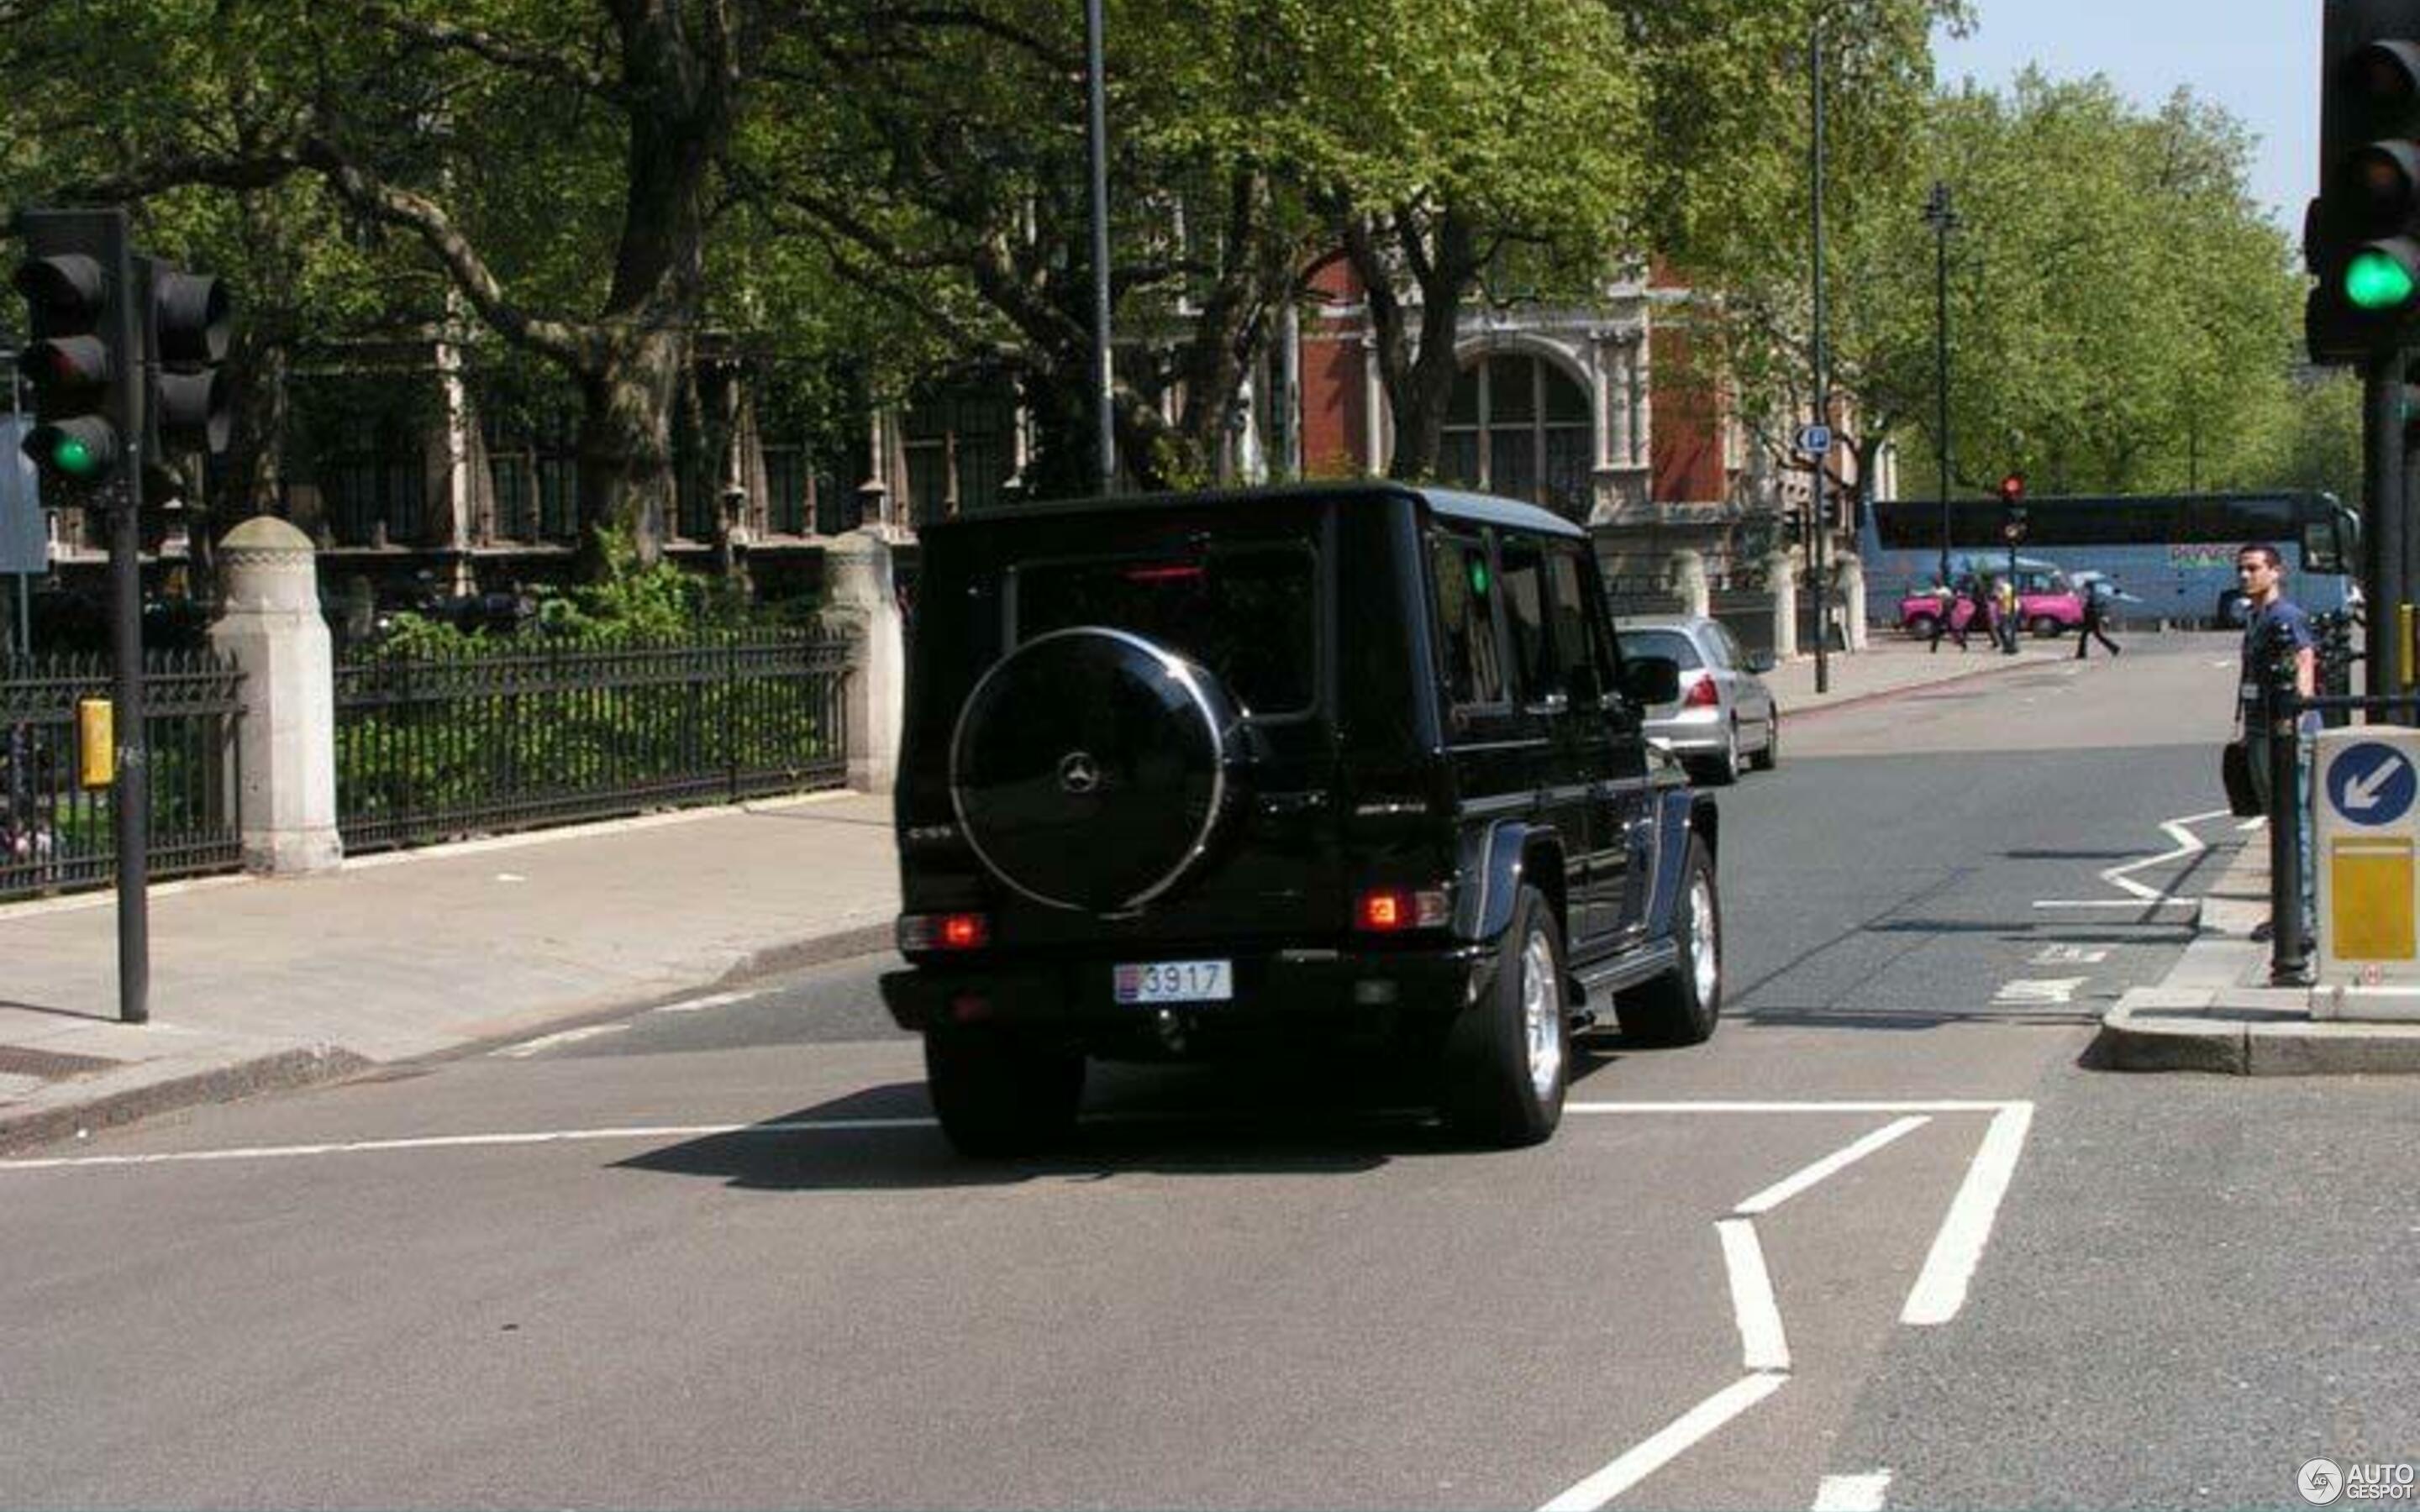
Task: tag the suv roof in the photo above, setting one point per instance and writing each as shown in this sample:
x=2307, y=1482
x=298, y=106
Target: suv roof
x=1452, y=503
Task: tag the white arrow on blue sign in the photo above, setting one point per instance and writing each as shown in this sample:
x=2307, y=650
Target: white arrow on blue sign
x=2371, y=783
x=1814, y=439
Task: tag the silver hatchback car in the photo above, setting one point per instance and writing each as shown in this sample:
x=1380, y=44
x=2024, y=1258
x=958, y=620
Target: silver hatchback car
x=1724, y=718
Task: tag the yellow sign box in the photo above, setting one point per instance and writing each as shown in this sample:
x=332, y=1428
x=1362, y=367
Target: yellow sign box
x=2371, y=896
x=96, y=742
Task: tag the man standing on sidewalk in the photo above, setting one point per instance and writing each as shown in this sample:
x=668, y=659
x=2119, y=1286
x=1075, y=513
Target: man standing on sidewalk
x=2274, y=626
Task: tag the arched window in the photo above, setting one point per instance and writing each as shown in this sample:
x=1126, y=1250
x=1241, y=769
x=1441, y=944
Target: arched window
x=1519, y=426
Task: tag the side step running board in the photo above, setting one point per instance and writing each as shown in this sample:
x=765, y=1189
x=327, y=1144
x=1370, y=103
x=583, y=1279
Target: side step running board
x=1599, y=980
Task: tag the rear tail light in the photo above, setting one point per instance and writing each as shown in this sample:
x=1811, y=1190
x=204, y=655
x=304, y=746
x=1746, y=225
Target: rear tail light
x=1702, y=693
x=944, y=931
x=1393, y=910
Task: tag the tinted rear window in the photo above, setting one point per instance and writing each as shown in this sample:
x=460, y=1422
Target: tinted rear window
x=1667, y=643
x=1249, y=613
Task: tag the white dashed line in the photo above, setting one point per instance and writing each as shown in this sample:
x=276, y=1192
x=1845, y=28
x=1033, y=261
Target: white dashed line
x=1668, y=1444
x=1853, y=1493
x=552, y=1042
x=2038, y=991
x=1940, y=1290
x=1762, y=1344
x=2069, y=955
x=698, y=1005
x=1782, y=1190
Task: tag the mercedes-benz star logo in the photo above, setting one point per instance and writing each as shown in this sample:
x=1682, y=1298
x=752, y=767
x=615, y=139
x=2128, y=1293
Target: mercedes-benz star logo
x=1078, y=773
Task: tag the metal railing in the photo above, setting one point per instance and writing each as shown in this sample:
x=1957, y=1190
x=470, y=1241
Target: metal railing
x=520, y=735
x=58, y=836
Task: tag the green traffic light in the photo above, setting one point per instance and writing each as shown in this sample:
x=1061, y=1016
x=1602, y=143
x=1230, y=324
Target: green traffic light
x=75, y=458
x=2378, y=281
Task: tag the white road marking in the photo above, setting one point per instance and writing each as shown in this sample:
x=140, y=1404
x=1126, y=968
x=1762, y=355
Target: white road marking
x=1762, y=1344
x=1940, y=1289
x=1860, y=1105
x=2069, y=955
x=549, y=1136
x=1853, y=1493
x=2256, y=822
x=2138, y=894
x=2038, y=989
x=698, y=1005
x=550, y=1041
x=1668, y=1442
x=1782, y=1190
x=510, y=877
x=2131, y=904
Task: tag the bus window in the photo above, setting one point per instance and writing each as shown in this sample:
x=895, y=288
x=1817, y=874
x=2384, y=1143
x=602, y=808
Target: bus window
x=2324, y=549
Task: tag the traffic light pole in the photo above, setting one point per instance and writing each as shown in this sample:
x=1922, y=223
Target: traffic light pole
x=131, y=798
x=2385, y=542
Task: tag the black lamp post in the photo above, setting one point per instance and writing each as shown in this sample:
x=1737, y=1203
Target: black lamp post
x=1938, y=215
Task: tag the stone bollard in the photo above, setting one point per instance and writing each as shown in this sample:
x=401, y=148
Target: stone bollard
x=861, y=598
x=1781, y=580
x=269, y=625
x=1851, y=578
x=1690, y=584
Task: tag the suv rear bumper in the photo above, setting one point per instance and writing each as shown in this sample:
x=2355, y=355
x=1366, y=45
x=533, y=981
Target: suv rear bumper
x=1320, y=993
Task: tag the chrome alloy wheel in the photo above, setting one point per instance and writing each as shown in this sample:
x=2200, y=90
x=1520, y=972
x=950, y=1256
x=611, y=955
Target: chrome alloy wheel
x=1705, y=952
x=1542, y=1013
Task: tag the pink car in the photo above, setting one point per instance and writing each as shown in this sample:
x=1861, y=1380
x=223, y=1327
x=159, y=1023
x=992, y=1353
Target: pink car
x=2047, y=604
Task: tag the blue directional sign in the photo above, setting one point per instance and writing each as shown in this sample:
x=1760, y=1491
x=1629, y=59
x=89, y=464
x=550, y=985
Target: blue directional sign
x=1814, y=440
x=2371, y=783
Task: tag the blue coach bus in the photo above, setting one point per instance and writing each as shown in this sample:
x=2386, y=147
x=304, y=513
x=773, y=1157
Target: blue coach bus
x=2176, y=552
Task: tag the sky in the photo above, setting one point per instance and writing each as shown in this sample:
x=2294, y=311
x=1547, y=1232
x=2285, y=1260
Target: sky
x=2258, y=58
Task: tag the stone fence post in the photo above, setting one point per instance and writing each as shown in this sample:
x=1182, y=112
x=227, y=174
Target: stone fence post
x=1851, y=573
x=269, y=627
x=861, y=598
x=1690, y=583
x=1781, y=581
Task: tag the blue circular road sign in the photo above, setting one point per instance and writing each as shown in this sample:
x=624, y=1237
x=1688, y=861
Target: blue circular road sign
x=2372, y=783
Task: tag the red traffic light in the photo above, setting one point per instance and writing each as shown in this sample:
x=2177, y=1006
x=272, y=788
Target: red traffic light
x=2012, y=487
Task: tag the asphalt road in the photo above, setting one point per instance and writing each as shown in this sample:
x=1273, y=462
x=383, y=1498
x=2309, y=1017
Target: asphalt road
x=1889, y=1239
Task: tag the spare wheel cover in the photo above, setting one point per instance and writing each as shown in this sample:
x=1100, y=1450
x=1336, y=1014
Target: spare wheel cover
x=1089, y=768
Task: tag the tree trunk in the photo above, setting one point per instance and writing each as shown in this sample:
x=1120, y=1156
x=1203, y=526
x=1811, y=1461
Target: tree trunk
x=625, y=449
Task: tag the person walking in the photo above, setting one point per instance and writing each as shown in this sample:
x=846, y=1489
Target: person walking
x=1945, y=616
x=2097, y=595
x=1985, y=621
x=2010, y=613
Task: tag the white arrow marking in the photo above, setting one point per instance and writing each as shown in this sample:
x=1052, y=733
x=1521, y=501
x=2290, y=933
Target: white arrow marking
x=2363, y=793
x=2039, y=990
x=1853, y=1493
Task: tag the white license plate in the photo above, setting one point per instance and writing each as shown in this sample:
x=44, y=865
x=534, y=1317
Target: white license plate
x=1174, y=982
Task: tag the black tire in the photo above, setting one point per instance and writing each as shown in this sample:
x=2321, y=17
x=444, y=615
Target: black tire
x=1769, y=757
x=1682, y=1006
x=999, y=1093
x=1091, y=769
x=1920, y=627
x=2045, y=628
x=1721, y=769
x=1507, y=1057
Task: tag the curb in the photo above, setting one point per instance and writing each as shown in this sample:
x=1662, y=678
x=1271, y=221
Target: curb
x=865, y=939
x=282, y=1071
x=1808, y=711
x=2136, y=1036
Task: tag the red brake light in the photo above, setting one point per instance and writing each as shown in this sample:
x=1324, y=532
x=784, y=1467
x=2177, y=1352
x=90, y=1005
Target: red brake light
x=1181, y=573
x=1393, y=910
x=1702, y=693
x=964, y=931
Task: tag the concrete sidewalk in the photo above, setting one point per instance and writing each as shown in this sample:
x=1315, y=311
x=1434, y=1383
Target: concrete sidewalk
x=2216, y=1011
x=264, y=983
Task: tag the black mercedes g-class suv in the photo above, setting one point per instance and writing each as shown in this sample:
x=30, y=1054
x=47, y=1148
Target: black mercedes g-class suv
x=1231, y=772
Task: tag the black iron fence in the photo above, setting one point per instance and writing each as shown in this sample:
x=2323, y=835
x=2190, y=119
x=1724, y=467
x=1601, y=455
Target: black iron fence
x=55, y=834
x=519, y=734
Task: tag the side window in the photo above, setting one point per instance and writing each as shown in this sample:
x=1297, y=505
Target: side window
x=1721, y=650
x=1524, y=591
x=1587, y=675
x=1733, y=654
x=1465, y=606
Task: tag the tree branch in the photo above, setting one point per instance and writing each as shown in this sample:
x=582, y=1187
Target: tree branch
x=505, y=53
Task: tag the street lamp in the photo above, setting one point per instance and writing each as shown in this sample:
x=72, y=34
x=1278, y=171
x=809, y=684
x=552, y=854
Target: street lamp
x=1938, y=215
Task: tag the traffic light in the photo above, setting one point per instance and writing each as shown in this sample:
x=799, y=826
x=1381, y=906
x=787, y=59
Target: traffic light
x=2012, y=506
x=2361, y=237
x=76, y=356
x=184, y=341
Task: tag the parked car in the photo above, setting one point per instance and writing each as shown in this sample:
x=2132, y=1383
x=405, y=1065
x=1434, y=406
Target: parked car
x=1242, y=774
x=1725, y=715
x=2047, y=602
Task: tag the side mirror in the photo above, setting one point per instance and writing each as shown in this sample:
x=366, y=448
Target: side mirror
x=1760, y=661
x=1647, y=680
